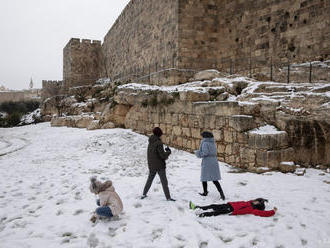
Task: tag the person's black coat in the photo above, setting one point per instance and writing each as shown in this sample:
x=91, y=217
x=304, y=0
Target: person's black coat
x=156, y=154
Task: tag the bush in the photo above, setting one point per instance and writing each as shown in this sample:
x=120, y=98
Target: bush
x=15, y=111
x=13, y=119
x=23, y=107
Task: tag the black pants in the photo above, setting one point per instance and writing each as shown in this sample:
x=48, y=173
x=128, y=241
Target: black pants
x=218, y=209
x=217, y=184
x=163, y=179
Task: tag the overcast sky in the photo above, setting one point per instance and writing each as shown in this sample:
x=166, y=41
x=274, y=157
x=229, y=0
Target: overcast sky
x=33, y=34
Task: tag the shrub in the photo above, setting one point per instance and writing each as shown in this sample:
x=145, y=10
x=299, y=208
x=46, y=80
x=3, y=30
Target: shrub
x=13, y=119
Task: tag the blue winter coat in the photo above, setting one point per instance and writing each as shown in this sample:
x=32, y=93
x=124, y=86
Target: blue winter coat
x=210, y=166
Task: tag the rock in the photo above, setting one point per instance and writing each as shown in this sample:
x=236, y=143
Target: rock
x=84, y=121
x=94, y=125
x=206, y=75
x=108, y=125
x=286, y=167
x=223, y=97
x=300, y=171
x=194, y=96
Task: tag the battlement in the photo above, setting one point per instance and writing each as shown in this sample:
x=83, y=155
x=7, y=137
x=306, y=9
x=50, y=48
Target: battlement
x=51, y=88
x=73, y=42
x=52, y=83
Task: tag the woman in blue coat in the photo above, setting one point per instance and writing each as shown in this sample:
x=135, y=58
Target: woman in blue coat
x=210, y=167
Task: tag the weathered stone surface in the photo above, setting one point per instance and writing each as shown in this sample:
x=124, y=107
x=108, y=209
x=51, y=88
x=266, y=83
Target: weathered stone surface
x=94, y=125
x=242, y=123
x=193, y=96
x=108, y=125
x=83, y=121
x=268, y=141
x=206, y=75
x=287, y=167
x=58, y=122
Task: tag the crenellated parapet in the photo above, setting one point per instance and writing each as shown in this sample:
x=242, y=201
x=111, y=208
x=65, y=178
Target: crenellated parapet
x=82, y=62
x=51, y=88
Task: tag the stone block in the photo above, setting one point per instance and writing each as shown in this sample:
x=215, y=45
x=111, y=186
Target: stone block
x=228, y=136
x=195, y=132
x=183, y=120
x=175, y=119
x=186, y=132
x=206, y=75
x=193, y=96
x=228, y=150
x=221, y=148
x=273, y=159
x=261, y=158
x=227, y=108
x=94, y=125
x=247, y=155
x=177, y=131
x=84, y=121
x=242, y=138
x=268, y=141
x=108, y=125
x=287, y=167
x=217, y=135
x=220, y=122
x=242, y=123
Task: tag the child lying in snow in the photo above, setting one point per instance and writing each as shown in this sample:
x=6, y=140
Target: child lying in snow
x=109, y=201
x=256, y=207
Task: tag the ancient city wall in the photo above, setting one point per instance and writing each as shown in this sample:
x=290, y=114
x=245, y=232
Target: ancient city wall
x=17, y=96
x=82, y=62
x=51, y=88
x=215, y=34
x=144, y=39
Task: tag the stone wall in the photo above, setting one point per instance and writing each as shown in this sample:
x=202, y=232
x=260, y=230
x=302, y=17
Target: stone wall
x=17, y=96
x=51, y=88
x=211, y=33
x=82, y=62
x=230, y=122
x=144, y=39
x=229, y=35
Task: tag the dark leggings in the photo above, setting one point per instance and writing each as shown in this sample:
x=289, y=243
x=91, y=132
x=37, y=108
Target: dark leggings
x=217, y=184
x=218, y=209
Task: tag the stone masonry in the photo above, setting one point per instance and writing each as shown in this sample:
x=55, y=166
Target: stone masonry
x=51, y=88
x=82, y=62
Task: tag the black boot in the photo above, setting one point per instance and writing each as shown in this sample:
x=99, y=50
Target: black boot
x=222, y=195
x=204, y=189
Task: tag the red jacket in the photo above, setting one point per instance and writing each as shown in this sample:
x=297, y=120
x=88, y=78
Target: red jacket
x=244, y=207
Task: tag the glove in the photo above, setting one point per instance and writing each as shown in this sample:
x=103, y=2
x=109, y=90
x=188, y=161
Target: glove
x=167, y=149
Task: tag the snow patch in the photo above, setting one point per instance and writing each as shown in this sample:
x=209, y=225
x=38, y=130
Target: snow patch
x=268, y=129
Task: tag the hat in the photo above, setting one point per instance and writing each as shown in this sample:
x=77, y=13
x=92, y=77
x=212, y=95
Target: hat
x=157, y=131
x=207, y=134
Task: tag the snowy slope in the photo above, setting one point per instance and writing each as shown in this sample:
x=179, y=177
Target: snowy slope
x=45, y=200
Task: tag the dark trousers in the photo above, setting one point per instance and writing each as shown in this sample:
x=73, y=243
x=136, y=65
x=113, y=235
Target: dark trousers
x=104, y=211
x=217, y=184
x=163, y=179
x=217, y=209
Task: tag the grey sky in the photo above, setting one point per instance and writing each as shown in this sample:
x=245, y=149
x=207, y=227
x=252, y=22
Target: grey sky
x=34, y=32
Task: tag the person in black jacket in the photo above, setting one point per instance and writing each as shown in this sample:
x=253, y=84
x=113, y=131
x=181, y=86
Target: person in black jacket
x=156, y=163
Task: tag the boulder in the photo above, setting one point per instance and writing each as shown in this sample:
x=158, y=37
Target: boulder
x=94, y=125
x=108, y=125
x=287, y=167
x=206, y=75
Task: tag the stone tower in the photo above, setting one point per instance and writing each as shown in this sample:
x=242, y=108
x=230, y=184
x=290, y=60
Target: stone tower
x=82, y=62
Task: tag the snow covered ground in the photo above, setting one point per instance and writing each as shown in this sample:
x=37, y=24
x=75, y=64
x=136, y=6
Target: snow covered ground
x=45, y=200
